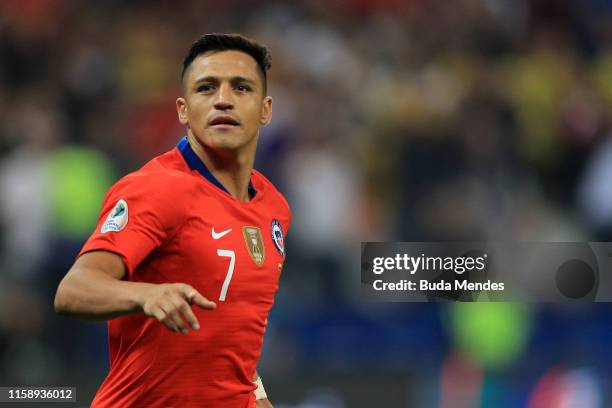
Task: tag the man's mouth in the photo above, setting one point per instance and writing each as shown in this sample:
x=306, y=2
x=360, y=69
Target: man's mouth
x=223, y=120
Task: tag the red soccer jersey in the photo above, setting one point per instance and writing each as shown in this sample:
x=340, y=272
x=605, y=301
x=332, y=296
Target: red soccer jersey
x=172, y=222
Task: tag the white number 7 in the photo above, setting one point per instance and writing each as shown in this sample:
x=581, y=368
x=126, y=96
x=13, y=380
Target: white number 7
x=230, y=271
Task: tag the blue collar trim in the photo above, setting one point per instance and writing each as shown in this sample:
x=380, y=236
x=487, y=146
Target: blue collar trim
x=194, y=163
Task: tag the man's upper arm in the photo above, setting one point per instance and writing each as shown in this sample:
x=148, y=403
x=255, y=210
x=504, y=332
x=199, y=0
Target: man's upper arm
x=138, y=215
x=92, y=290
x=102, y=261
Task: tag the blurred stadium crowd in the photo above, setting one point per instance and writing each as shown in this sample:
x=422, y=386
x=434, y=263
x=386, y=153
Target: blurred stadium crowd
x=413, y=120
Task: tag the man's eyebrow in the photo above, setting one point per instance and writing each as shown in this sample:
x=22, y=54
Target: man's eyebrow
x=234, y=79
x=206, y=79
x=242, y=79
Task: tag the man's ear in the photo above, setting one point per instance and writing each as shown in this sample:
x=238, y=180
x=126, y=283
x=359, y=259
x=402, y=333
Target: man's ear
x=266, y=110
x=181, y=110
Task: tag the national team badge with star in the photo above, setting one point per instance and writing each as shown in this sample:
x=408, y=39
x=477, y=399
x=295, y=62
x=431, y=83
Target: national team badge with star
x=277, y=237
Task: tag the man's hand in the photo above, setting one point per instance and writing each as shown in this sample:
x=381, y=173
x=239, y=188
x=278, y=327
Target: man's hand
x=170, y=303
x=263, y=403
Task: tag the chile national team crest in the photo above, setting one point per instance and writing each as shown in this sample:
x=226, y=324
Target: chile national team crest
x=277, y=237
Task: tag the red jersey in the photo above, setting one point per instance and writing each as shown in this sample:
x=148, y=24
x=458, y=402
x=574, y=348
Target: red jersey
x=173, y=222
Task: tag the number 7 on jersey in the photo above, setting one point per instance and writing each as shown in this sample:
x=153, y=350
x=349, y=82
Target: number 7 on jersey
x=230, y=271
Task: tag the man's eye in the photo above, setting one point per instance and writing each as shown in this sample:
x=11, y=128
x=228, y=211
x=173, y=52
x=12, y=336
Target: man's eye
x=205, y=88
x=243, y=88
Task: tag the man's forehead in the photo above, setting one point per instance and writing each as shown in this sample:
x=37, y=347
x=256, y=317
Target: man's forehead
x=229, y=63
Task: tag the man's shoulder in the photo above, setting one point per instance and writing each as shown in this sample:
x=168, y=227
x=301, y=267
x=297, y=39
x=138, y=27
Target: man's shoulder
x=163, y=175
x=155, y=189
x=272, y=191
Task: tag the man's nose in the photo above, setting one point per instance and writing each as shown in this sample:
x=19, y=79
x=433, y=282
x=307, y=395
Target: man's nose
x=224, y=98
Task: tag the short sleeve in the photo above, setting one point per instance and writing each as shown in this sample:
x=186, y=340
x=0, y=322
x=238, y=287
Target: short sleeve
x=139, y=215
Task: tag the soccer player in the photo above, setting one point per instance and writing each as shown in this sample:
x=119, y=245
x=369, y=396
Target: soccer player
x=188, y=251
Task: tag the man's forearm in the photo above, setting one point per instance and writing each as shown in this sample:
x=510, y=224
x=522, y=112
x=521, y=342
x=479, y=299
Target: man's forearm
x=94, y=290
x=95, y=296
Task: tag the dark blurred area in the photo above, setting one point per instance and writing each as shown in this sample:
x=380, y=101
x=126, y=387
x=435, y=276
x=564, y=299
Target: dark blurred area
x=393, y=120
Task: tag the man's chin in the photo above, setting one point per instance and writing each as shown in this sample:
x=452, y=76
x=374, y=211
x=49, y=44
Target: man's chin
x=222, y=141
x=218, y=140
x=222, y=144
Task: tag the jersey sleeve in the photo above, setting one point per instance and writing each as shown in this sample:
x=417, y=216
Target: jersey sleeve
x=139, y=215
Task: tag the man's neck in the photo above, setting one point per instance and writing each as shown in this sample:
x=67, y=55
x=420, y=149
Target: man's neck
x=231, y=168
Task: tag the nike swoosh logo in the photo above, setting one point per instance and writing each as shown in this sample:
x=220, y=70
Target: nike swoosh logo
x=217, y=235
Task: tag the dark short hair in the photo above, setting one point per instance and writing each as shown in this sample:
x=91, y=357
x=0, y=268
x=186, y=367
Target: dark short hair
x=225, y=42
